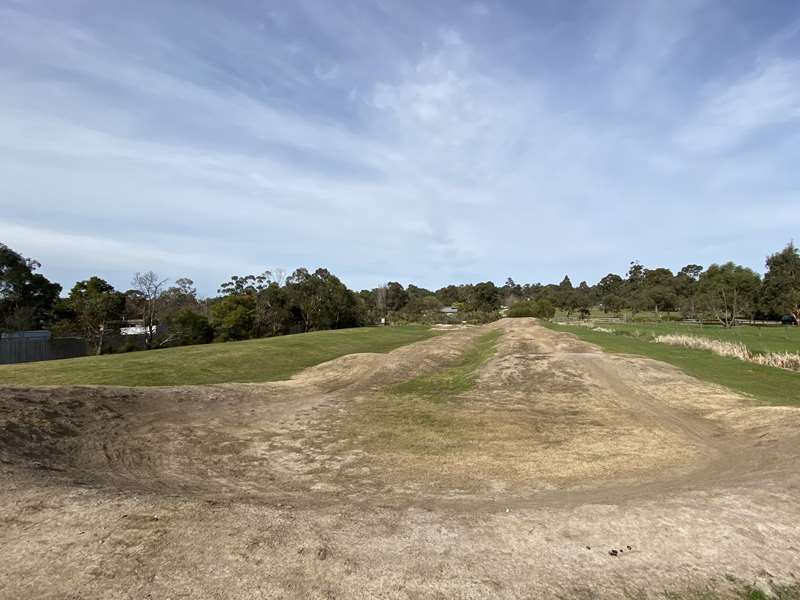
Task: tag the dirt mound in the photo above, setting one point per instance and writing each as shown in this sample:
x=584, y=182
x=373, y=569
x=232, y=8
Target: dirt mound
x=520, y=487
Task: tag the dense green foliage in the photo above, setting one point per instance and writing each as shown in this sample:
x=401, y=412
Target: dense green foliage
x=721, y=293
x=540, y=309
x=94, y=303
x=780, y=292
x=27, y=299
x=186, y=327
x=768, y=384
x=270, y=304
x=268, y=359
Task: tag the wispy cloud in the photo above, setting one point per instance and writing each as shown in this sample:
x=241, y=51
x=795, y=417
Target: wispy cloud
x=767, y=97
x=386, y=141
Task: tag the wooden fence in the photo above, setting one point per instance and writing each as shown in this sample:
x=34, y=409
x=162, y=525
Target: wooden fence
x=699, y=322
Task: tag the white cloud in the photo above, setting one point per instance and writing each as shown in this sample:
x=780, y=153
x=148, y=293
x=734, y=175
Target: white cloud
x=387, y=151
x=769, y=96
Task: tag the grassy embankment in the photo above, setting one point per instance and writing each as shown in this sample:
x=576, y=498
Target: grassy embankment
x=422, y=415
x=268, y=359
x=768, y=384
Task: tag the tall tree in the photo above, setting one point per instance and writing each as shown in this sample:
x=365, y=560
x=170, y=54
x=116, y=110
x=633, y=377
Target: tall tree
x=272, y=310
x=150, y=286
x=728, y=291
x=95, y=302
x=583, y=299
x=610, y=290
x=449, y=295
x=304, y=290
x=245, y=284
x=484, y=297
x=780, y=292
x=396, y=296
x=686, y=288
x=27, y=299
x=179, y=297
x=658, y=289
x=511, y=292
x=634, y=285
x=565, y=295
x=233, y=316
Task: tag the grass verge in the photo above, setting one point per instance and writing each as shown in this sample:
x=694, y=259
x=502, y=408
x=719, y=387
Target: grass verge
x=768, y=384
x=421, y=415
x=757, y=339
x=267, y=359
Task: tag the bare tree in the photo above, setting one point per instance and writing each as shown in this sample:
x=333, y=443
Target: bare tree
x=151, y=287
x=279, y=276
x=380, y=299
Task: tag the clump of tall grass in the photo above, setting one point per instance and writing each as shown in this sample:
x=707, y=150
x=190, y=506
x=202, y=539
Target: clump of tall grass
x=732, y=349
x=781, y=360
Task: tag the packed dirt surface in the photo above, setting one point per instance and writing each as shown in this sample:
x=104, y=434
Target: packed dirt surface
x=575, y=474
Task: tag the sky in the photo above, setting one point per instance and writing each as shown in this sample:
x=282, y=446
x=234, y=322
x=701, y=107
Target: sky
x=424, y=142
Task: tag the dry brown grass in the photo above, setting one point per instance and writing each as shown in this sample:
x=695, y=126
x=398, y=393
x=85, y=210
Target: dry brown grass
x=781, y=360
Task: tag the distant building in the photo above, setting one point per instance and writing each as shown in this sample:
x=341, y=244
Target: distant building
x=449, y=311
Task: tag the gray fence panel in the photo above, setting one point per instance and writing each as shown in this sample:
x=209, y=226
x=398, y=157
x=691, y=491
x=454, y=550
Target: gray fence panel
x=21, y=349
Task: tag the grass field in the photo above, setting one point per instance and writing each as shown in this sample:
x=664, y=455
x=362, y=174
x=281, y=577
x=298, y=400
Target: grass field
x=768, y=384
x=757, y=339
x=267, y=359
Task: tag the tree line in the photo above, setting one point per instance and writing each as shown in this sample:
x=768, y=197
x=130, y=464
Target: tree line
x=722, y=292
x=273, y=303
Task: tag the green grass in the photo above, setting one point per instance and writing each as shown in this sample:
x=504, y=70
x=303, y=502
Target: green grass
x=421, y=415
x=455, y=380
x=767, y=384
x=757, y=339
x=268, y=359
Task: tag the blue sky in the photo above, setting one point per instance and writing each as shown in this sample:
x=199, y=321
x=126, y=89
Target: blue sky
x=425, y=142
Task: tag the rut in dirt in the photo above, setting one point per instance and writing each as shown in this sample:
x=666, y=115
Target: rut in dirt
x=550, y=418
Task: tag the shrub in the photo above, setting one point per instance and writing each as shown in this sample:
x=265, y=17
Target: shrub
x=540, y=309
x=187, y=327
x=521, y=309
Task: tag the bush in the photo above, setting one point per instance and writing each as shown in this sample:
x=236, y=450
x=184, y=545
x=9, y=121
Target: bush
x=521, y=309
x=539, y=309
x=187, y=327
x=479, y=317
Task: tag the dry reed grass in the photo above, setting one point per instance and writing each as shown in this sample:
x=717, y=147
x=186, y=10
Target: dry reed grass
x=780, y=360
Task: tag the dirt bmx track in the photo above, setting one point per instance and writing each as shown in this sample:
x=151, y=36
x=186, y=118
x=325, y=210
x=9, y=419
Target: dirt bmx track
x=269, y=491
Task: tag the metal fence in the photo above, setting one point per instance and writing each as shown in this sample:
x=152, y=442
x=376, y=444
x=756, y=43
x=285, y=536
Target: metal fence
x=30, y=346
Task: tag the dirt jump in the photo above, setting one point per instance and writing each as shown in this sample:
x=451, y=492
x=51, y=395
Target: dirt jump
x=563, y=472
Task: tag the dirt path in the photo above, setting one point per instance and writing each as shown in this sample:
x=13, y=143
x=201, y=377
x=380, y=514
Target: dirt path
x=268, y=491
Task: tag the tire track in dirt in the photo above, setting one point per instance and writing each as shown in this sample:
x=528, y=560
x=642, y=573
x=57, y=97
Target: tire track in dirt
x=246, y=491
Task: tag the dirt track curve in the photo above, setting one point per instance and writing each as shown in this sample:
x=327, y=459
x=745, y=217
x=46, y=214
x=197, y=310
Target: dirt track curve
x=269, y=491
